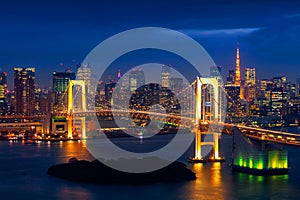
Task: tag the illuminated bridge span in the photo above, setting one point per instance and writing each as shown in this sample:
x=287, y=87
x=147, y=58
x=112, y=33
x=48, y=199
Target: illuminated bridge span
x=202, y=108
x=206, y=110
x=271, y=136
x=134, y=114
x=266, y=135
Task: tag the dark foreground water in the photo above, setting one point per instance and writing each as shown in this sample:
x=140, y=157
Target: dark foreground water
x=23, y=175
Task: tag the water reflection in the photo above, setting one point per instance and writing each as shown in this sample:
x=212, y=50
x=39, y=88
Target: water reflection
x=263, y=187
x=208, y=184
x=24, y=167
x=71, y=149
x=73, y=193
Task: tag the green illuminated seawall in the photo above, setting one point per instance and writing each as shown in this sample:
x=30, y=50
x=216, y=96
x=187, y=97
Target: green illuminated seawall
x=275, y=159
x=249, y=157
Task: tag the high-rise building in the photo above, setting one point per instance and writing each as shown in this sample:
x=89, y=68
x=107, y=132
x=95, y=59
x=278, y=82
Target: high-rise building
x=109, y=89
x=3, y=93
x=165, y=76
x=24, y=88
x=60, y=86
x=145, y=96
x=84, y=73
x=231, y=77
x=176, y=84
x=233, y=93
x=279, y=81
x=276, y=95
x=298, y=87
x=61, y=80
x=290, y=88
x=136, y=79
x=215, y=71
x=10, y=102
x=250, y=84
x=41, y=101
x=262, y=87
x=250, y=76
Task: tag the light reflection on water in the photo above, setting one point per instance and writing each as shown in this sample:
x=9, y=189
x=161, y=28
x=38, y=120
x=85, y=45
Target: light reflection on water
x=24, y=166
x=208, y=184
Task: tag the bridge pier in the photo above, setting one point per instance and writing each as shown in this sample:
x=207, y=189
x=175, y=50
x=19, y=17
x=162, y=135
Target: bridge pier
x=198, y=154
x=257, y=157
x=216, y=150
x=70, y=118
x=83, y=128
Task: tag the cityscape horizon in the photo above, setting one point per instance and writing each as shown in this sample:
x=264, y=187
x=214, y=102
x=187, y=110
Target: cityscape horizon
x=151, y=99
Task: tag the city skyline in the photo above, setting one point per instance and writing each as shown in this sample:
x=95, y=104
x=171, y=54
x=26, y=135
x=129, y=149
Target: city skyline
x=173, y=99
x=224, y=74
x=268, y=39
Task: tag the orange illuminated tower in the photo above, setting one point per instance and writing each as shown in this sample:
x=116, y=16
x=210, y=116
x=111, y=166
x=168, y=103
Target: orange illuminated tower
x=238, y=73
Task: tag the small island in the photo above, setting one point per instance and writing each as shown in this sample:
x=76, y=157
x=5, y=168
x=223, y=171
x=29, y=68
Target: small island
x=98, y=173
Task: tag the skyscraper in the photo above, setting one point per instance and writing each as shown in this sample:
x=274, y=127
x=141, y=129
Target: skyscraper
x=60, y=85
x=109, y=89
x=250, y=76
x=24, y=88
x=176, y=84
x=231, y=77
x=233, y=92
x=3, y=95
x=298, y=87
x=61, y=80
x=165, y=76
x=84, y=73
x=136, y=79
x=250, y=84
x=215, y=71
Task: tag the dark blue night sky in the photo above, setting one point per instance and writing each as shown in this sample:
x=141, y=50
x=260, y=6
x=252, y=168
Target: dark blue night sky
x=43, y=34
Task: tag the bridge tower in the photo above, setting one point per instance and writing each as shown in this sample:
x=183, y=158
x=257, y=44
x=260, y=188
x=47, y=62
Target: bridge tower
x=70, y=117
x=201, y=122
